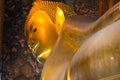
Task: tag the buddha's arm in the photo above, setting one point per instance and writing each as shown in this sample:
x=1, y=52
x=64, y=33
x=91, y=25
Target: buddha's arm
x=86, y=26
x=109, y=17
x=99, y=57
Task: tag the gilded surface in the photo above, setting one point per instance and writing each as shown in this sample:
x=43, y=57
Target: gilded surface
x=43, y=26
x=79, y=47
x=67, y=63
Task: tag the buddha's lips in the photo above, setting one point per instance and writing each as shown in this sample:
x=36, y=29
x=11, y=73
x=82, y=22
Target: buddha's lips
x=34, y=49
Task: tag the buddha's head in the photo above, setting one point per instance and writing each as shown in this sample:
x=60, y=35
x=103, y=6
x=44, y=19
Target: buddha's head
x=43, y=26
x=41, y=33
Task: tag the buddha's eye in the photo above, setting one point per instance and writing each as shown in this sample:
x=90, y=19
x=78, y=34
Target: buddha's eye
x=35, y=30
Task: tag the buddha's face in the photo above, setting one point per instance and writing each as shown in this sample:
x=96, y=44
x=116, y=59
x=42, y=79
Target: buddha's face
x=41, y=35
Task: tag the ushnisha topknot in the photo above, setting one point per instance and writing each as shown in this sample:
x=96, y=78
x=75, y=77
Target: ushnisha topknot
x=50, y=8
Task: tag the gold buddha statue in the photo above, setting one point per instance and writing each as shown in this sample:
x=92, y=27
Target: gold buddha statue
x=60, y=38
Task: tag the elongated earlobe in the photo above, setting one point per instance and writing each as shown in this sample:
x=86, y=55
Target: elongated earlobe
x=59, y=19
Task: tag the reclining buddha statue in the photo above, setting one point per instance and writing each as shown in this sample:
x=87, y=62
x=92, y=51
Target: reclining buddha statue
x=74, y=47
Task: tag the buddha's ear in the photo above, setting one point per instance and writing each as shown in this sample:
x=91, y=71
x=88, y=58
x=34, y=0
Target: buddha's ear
x=59, y=18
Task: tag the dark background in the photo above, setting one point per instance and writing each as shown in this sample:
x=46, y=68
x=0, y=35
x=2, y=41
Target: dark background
x=17, y=62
